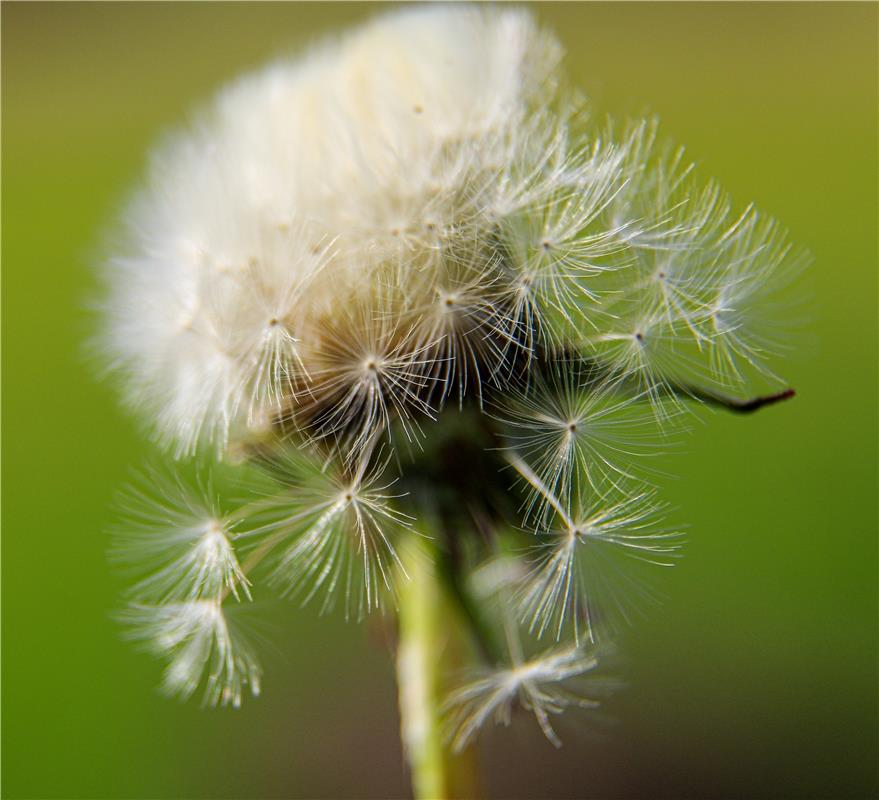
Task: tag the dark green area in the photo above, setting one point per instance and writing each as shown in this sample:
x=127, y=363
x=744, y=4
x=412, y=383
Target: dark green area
x=757, y=678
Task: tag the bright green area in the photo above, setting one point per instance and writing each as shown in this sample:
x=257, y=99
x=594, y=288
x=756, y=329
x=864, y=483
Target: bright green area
x=758, y=675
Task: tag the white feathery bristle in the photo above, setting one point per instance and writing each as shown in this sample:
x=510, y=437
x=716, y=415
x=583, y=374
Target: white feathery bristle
x=587, y=569
x=544, y=685
x=571, y=433
x=333, y=531
x=176, y=537
x=201, y=646
x=744, y=323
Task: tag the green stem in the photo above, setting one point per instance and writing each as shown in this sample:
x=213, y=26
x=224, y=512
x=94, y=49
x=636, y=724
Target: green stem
x=429, y=648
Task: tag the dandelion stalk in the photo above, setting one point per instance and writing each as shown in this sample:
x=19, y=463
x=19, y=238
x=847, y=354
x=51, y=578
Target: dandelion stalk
x=429, y=648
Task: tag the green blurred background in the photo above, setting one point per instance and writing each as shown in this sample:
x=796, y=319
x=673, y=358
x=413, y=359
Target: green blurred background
x=757, y=678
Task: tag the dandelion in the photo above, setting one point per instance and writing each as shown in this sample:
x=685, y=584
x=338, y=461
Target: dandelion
x=450, y=321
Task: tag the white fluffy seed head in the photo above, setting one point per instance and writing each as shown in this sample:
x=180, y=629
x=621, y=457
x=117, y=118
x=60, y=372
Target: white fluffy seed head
x=408, y=215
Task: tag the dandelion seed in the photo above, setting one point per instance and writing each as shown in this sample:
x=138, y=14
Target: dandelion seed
x=575, y=429
x=586, y=571
x=743, y=321
x=464, y=329
x=202, y=647
x=366, y=370
x=542, y=686
x=176, y=536
x=335, y=529
x=557, y=242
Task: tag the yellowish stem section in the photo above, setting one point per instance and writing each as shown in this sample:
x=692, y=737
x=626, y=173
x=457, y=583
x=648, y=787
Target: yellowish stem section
x=430, y=648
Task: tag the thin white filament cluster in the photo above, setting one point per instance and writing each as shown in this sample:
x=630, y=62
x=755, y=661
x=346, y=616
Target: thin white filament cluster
x=578, y=432
x=344, y=252
x=176, y=537
x=581, y=574
x=200, y=645
x=332, y=533
x=541, y=685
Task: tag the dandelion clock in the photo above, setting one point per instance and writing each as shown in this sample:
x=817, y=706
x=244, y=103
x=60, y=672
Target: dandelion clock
x=445, y=318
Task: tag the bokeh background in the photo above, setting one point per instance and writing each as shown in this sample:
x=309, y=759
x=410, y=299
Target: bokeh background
x=757, y=678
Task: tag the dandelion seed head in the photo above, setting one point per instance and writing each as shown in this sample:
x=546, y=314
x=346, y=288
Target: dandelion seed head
x=482, y=219
x=408, y=276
